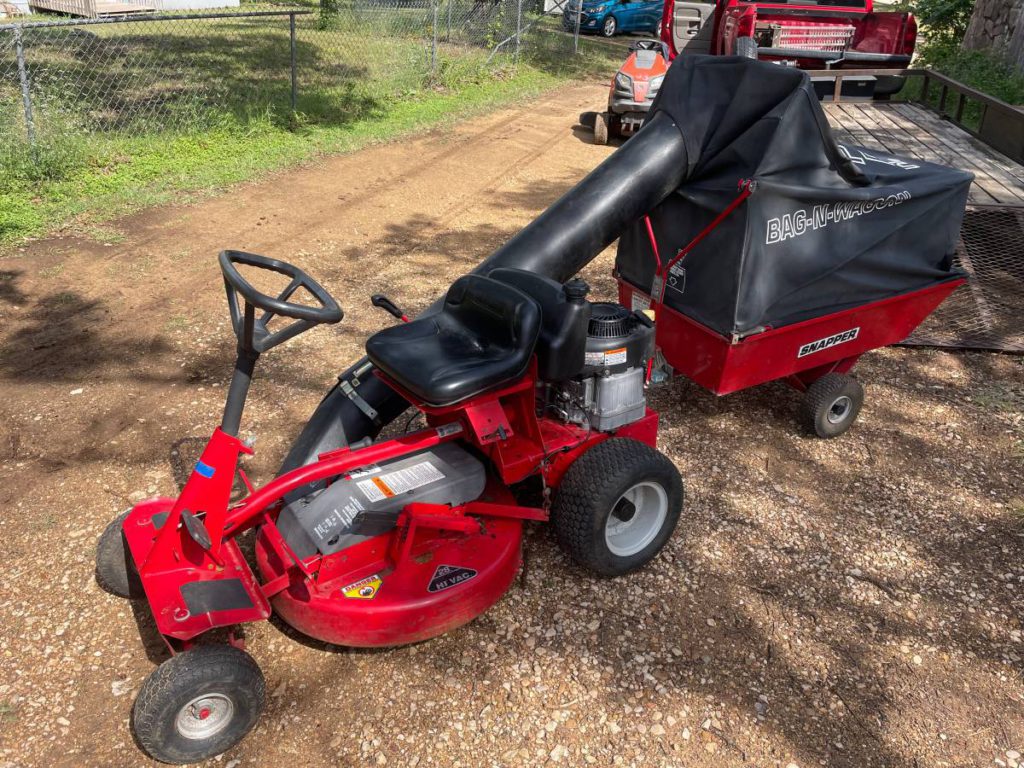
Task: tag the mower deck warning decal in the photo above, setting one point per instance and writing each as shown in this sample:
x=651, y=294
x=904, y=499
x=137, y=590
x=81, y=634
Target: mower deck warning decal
x=447, y=576
x=400, y=481
x=828, y=342
x=363, y=590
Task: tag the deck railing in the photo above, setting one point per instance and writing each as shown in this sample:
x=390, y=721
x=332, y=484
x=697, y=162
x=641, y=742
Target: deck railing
x=998, y=124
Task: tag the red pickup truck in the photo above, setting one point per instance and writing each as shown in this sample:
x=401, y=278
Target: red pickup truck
x=827, y=34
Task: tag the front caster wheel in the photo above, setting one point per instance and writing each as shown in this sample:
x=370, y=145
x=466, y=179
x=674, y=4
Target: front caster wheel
x=831, y=404
x=601, y=122
x=617, y=506
x=115, y=568
x=198, y=704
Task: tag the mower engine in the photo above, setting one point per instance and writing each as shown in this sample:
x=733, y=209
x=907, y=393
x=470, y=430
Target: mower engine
x=609, y=391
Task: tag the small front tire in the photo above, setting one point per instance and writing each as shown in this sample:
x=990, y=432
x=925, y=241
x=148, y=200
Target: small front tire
x=115, y=568
x=610, y=27
x=198, y=704
x=746, y=47
x=617, y=506
x=601, y=128
x=831, y=405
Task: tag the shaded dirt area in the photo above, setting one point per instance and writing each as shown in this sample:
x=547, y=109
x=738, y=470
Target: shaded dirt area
x=846, y=603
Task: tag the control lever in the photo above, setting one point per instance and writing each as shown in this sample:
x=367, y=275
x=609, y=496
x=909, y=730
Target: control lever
x=383, y=302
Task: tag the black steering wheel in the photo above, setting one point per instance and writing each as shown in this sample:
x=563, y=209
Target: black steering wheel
x=648, y=44
x=252, y=331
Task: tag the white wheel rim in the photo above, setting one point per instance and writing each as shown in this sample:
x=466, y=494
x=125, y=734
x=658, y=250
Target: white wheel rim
x=636, y=519
x=204, y=716
x=609, y=27
x=839, y=409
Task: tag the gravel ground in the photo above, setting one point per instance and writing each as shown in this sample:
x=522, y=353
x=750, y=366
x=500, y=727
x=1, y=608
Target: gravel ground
x=853, y=602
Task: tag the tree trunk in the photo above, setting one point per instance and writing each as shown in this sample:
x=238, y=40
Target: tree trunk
x=998, y=26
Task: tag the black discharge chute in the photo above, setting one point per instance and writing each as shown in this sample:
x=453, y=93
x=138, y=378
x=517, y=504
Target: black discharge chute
x=826, y=227
x=716, y=120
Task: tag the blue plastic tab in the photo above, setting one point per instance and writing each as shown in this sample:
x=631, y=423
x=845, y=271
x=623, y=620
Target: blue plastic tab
x=205, y=469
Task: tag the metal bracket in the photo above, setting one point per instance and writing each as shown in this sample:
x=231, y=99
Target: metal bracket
x=368, y=410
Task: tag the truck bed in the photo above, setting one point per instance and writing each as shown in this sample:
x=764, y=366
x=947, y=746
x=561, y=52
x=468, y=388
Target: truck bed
x=912, y=131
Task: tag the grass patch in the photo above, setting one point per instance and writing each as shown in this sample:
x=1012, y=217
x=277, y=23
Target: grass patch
x=199, y=106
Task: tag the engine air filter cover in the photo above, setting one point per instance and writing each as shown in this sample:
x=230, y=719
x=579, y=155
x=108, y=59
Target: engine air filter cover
x=609, y=321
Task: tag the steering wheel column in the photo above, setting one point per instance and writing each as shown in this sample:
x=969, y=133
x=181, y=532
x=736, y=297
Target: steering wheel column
x=254, y=335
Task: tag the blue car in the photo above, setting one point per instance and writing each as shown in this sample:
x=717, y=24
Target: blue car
x=609, y=17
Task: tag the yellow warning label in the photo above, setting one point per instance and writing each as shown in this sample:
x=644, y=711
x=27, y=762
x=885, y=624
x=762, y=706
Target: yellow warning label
x=384, y=488
x=363, y=590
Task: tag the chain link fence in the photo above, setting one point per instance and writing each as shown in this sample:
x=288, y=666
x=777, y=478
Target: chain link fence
x=63, y=80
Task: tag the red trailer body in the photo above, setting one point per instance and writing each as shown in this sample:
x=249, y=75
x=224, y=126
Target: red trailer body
x=800, y=353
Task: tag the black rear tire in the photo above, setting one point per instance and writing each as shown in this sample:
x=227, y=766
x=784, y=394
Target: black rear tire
x=831, y=405
x=594, y=499
x=198, y=704
x=115, y=568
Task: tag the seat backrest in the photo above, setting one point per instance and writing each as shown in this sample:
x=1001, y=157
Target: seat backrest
x=495, y=311
x=561, y=349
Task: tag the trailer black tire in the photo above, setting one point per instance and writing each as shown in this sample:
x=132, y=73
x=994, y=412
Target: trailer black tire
x=831, y=404
x=167, y=720
x=746, y=47
x=593, y=496
x=601, y=128
x=115, y=568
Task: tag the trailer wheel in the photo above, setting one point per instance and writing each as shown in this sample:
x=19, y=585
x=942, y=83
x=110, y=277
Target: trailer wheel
x=831, y=404
x=601, y=128
x=198, y=704
x=115, y=568
x=617, y=506
x=746, y=47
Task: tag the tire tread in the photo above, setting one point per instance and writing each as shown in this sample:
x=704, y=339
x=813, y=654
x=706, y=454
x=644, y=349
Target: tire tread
x=614, y=461
x=189, y=670
x=822, y=393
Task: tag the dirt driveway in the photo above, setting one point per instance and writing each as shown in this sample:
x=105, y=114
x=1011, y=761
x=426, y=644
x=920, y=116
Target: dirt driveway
x=847, y=603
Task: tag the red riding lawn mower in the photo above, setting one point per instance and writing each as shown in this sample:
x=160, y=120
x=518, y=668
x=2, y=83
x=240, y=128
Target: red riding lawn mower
x=632, y=91
x=519, y=379
x=764, y=250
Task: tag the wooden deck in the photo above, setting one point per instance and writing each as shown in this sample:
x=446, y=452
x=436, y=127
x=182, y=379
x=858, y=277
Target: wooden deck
x=911, y=131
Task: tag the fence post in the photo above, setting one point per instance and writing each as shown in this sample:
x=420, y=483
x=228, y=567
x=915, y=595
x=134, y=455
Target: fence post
x=519, y=28
x=448, y=36
x=433, y=41
x=26, y=96
x=576, y=34
x=294, y=61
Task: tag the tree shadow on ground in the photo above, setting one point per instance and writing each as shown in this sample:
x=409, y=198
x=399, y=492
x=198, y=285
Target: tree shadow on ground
x=176, y=74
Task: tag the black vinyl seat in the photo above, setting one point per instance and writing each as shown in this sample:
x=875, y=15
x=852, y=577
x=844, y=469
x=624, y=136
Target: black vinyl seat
x=483, y=337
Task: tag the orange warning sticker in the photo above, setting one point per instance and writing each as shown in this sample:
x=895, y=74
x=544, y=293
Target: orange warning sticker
x=383, y=487
x=366, y=589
